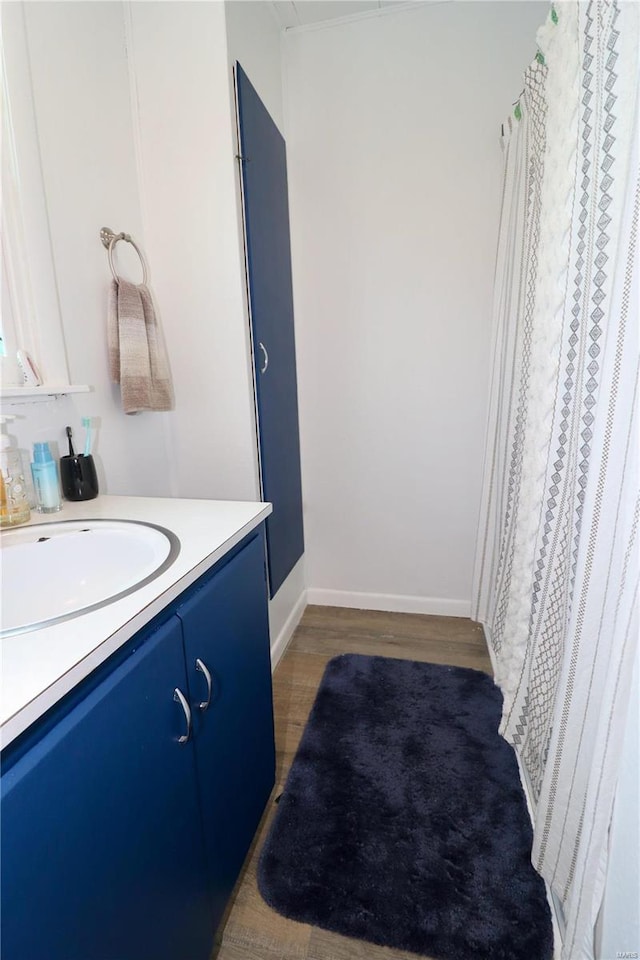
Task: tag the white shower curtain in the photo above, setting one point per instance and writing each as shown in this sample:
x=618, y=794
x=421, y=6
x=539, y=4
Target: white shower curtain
x=557, y=566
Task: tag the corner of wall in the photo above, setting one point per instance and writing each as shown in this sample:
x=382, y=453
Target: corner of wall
x=285, y=611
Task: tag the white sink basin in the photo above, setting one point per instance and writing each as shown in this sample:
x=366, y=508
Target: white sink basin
x=52, y=571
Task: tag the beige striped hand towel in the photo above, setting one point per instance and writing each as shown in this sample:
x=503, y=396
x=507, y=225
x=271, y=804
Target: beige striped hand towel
x=137, y=356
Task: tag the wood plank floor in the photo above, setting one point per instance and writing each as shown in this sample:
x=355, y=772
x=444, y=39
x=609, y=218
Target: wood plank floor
x=252, y=931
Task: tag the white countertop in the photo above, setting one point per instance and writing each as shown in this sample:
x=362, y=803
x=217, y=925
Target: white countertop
x=40, y=666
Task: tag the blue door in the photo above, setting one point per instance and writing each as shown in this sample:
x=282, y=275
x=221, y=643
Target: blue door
x=268, y=251
x=226, y=641
x=100, y=858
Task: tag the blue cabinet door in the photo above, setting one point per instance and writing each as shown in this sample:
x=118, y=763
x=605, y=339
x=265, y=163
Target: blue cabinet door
x=100, y=857
x=268, y=249
x=225, y=627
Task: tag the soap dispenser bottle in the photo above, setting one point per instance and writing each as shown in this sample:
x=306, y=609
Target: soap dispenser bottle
x=45, y=479
x=14, y=505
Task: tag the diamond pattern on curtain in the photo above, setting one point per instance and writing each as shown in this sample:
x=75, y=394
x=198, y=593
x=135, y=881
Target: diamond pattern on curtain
x=557, y=563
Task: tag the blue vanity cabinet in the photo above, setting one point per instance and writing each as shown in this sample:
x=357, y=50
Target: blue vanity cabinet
x=226, y=634
x=100, y=859
x=118, y=841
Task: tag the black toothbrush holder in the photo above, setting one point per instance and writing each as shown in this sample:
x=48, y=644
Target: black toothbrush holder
x=79, y=478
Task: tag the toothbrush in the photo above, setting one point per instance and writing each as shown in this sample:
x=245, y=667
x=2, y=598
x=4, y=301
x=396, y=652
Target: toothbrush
x=71, y=450
x=86, y=423
x=30, y=372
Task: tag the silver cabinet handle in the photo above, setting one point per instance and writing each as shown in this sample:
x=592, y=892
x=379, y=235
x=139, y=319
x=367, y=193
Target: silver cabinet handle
x=266, y=357
x=180, y=698
x=202, y=667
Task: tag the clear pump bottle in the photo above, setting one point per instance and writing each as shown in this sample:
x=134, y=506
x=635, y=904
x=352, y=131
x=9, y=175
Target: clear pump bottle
x=14, y=504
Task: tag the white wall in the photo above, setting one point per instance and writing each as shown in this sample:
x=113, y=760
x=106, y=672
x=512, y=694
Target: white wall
x=137, y=133
x=82, y=109
x=254, y=40
x=394, y=172
x=185, y=138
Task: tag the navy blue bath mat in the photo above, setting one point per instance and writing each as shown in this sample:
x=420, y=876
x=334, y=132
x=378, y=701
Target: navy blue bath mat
x=403, y=820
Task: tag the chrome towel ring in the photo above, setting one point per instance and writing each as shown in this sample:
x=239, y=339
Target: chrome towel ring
x=109, y=240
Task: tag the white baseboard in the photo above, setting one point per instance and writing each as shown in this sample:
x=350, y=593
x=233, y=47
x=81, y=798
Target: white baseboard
x=394, y=603
x=280, y=644
x=557, y=916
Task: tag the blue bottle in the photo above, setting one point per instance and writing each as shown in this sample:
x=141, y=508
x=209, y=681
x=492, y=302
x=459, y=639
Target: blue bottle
x=45, y=479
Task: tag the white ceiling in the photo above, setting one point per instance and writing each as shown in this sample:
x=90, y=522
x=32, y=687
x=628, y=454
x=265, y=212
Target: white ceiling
x=298, y=13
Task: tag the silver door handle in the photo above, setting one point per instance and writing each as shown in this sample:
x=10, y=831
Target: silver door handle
x=266, y=357
x=202, y=667
x=180, y=698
